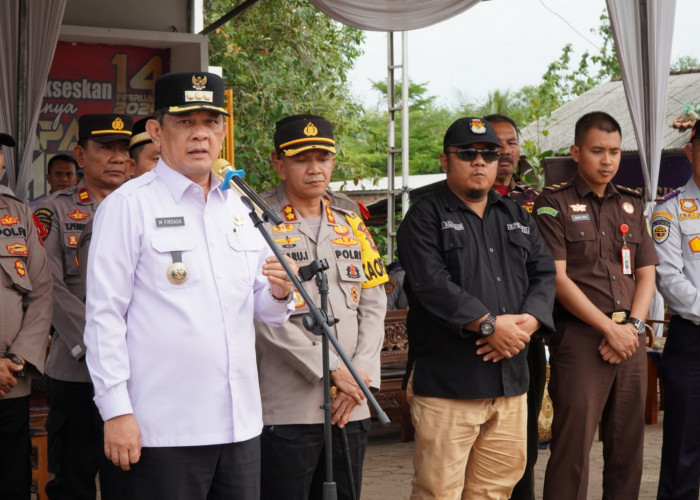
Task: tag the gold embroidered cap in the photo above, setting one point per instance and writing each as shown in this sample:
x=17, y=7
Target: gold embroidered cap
x=298, y=133
x=184, y=91
x=105, y=128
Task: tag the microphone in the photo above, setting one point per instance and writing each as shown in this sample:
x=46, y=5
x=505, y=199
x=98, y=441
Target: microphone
x=232, y=178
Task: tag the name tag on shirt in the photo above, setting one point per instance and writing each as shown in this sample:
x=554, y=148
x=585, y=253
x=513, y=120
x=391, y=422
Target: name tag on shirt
x=580, y=217
x=170, y=221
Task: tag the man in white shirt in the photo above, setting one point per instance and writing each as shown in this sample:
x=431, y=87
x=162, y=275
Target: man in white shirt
x=176, y=273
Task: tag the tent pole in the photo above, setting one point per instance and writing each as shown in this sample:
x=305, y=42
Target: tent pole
x=22, y=60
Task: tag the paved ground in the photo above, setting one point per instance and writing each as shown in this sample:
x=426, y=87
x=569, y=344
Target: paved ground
x=388, y=467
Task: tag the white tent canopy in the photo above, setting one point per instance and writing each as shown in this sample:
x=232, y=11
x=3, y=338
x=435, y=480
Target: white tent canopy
x=643, y=32
x=390, y=15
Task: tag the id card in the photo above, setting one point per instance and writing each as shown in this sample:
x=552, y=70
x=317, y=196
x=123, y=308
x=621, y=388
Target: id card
x=626, y=261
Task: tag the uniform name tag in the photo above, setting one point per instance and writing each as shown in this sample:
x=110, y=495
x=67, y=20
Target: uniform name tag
x=580, y=217
x=170, y=221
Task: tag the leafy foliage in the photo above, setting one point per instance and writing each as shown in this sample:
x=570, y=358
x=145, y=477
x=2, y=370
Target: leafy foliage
x=283, y=57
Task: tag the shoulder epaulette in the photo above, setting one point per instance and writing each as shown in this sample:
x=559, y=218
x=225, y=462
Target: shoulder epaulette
x=556, y=187
x=670, y=195
x=627, y=190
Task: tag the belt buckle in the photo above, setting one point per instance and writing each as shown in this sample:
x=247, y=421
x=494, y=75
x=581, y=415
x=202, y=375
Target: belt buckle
x=619, y=317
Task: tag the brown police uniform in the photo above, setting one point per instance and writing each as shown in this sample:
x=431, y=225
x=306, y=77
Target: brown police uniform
x=584, y=230
x=290, y=357
x=64, y=216
x=25, y=318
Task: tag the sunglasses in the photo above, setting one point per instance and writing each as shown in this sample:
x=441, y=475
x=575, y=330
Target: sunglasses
x=470, y=154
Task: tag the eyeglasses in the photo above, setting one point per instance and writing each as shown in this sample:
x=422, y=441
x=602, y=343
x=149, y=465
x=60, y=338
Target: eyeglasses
x=470, y=154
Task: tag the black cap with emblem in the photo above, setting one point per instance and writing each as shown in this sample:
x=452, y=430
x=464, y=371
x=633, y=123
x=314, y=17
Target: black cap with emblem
x=186, y=91
x=105, y=128
x=298, y=133
x=7, y=140
x=139, y=135
x=470, y=130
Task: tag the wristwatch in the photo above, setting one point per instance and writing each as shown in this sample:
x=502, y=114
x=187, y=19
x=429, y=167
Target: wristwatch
x=641, y=327
x=487, y=326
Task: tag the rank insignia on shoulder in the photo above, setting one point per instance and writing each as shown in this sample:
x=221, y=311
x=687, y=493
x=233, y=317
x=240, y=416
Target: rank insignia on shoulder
x=84, y=195
x=627, y=190
x=668, y=196
x=289, y=213
x=554, y=187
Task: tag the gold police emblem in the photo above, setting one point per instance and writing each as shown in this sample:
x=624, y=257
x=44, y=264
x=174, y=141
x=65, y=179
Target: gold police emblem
x=178, y=273
x=117, y=124
x=310, y=130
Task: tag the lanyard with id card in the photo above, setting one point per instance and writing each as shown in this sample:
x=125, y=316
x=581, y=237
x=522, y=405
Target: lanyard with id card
x=625, y=252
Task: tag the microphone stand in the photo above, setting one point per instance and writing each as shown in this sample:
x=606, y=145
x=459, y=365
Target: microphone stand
x=319, y=321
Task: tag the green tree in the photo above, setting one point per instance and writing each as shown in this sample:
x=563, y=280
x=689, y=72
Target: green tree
x=283, y=57
x=685, y=63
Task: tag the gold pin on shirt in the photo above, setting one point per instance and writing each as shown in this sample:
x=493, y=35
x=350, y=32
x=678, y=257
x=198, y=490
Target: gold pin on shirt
x=238, y=220
x=177, y=271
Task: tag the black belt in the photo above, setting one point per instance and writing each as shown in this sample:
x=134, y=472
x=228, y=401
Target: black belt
x=567, y=317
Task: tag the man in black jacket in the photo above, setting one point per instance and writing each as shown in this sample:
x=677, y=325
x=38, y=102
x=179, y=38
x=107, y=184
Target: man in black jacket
x=479, y=281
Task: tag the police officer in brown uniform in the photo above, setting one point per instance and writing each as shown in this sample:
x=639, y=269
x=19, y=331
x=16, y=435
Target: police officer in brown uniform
x=605, y=259
x=317, y=224
x=75, y=448
x=25, y=317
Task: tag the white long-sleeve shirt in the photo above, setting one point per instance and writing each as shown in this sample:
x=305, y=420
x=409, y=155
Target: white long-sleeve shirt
x=179, y=356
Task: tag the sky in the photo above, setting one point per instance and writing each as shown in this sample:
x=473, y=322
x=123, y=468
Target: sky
x=500, y=45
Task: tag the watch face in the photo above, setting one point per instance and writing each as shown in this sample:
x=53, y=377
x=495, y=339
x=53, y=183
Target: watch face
x=487, y=326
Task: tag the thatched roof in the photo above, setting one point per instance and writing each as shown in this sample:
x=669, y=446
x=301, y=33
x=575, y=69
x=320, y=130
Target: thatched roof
x=683, y=88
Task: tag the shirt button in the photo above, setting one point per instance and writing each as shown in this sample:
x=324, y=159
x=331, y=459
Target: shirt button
x=614, y=277
x=603, y=233
x=220, y=276
x=503, y=309
x=491, y=250
x=451, y=245
x=498, y=278
x=617, y=302
x=582, y=233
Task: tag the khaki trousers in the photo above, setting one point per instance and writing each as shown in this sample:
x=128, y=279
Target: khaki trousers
x=467, y=448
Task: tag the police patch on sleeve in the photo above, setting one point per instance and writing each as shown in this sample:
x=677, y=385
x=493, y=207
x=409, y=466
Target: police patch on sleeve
x=660, y=229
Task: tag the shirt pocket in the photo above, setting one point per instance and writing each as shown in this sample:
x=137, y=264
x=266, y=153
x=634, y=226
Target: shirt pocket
x=631, y=240
x=580, y=242
x=246, y=256
x=70, y=249
x=520, y=241
x=350, y=277
x=13, y=260
x=166, y=247
x=690, y=236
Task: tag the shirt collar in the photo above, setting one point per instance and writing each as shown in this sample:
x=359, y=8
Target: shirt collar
x=452, y=201
x=691, y=188
x=177, y=183
x=584, y=190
